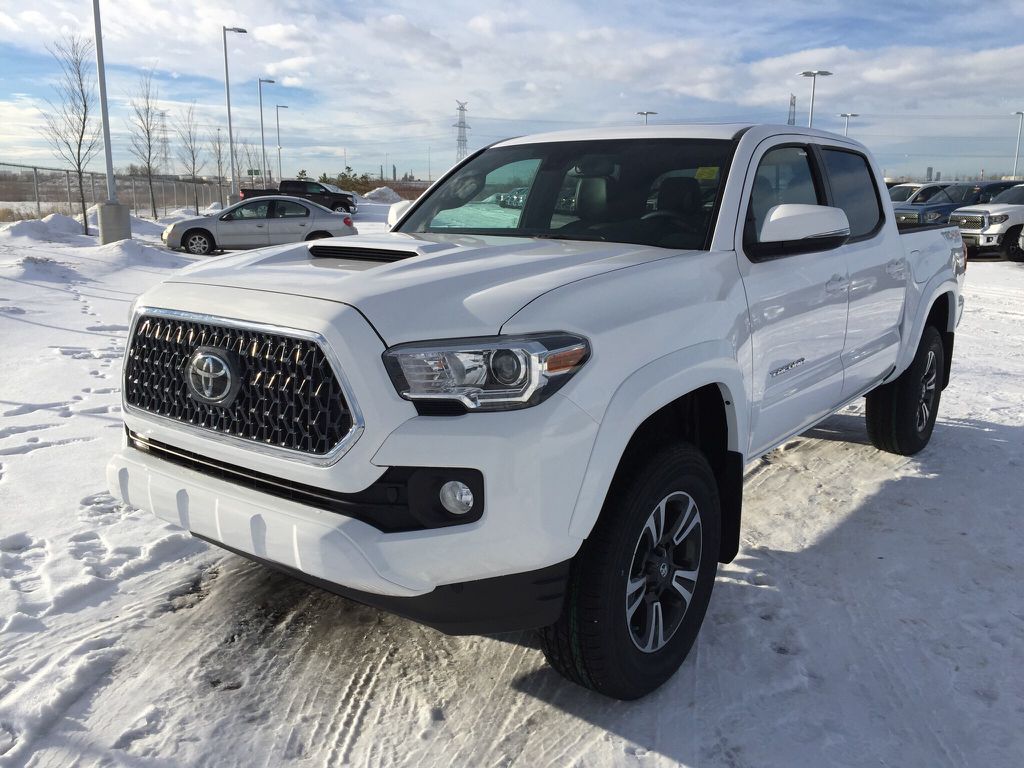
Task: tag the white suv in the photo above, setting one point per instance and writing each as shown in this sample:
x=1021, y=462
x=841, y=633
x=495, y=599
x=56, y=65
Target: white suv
x=995, y=225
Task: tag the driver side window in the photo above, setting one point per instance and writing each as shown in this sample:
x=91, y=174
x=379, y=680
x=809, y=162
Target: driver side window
x=784, y=175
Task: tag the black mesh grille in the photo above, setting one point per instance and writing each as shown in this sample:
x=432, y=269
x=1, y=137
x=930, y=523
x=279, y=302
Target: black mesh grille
x=288, y=397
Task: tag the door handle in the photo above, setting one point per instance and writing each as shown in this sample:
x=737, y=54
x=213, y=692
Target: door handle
x=895, y=268
x=837, y=284
x=260, y=226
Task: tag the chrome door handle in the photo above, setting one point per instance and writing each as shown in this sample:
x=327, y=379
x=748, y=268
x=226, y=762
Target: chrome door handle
x=837, y=284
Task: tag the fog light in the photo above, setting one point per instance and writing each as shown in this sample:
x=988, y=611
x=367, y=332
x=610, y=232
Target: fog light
x=456, y=497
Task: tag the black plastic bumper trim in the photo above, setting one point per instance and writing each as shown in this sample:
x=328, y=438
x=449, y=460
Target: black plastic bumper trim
x=502, y=604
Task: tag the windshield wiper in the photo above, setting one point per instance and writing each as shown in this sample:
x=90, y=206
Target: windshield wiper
x=558, y=236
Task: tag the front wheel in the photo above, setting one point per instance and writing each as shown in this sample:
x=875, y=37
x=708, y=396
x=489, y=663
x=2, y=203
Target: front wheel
x=641, y=583
x=1011, y=245
x=901, y=414
x=341, y=208
x=198, y=243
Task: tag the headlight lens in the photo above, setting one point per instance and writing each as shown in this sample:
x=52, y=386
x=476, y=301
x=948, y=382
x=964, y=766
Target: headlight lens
x=487, y=374
x=932, y=216
x=1001, y=218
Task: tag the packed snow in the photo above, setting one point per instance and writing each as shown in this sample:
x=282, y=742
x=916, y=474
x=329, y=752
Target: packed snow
x=383, y=195
x=872, y=617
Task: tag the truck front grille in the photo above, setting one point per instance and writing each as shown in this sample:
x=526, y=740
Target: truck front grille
x=288, y=396
x=968, y=221
x=907, y=217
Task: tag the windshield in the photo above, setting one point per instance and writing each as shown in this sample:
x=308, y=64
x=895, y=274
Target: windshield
x=659, y=192
x=901, y=192
x=957, y=193
x=1011, y=196
x=332, y=188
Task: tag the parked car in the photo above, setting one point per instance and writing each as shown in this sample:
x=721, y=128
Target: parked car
x=945, y=201
x=324, y=194
x=500, y=423
x=915, y=193
x=996, y=226
x=255, y=224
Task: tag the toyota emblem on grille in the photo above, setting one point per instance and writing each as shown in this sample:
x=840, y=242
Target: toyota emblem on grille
x=211, y=377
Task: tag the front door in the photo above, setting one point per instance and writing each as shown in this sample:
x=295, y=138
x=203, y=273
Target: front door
x=797, y=306
x=245, y=226
x=289, y=222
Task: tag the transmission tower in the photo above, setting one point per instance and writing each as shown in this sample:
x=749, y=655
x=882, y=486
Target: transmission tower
x=165, y=144
x=792, y=110
x=461, y=143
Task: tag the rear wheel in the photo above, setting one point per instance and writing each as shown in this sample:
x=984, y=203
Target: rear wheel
x=318, y=235
x=901, y=414
x=197, y=242
x=1011, y=245
x=641, y=583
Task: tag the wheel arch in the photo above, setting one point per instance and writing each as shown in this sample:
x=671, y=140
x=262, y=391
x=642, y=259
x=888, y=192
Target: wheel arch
x=939, y=310
x=701, y=403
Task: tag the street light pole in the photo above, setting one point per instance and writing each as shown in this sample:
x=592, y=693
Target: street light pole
x=848, y=115
x=263, y=141
x=227, y=98
x=277, y=110
x=1016, y=152
x=645, y=113
x=814, y=74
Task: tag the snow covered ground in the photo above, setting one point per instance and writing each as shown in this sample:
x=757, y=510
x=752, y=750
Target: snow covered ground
x=874, y=615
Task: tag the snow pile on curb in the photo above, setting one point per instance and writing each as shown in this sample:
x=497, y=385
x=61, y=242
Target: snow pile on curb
x=383, y=195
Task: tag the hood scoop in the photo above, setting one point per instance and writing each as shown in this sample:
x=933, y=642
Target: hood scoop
x=383, y=255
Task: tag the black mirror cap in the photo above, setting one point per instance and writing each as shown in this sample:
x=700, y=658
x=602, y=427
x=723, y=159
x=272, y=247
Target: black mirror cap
x=776, y=250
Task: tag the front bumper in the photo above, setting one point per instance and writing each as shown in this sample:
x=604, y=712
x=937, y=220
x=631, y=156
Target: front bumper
x=982, y=239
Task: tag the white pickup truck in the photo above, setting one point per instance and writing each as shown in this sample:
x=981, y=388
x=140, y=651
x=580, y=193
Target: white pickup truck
x=496, y=418
x=997, y=225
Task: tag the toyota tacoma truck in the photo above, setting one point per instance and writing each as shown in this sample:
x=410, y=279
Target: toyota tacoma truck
x=997, y=226
x=495, y=418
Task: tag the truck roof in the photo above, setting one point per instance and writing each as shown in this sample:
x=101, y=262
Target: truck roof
x=677, y=131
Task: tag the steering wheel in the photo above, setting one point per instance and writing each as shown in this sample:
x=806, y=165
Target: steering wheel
x=674, y=217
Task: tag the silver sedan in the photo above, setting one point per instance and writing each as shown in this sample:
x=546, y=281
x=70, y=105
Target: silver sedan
x=270, y=220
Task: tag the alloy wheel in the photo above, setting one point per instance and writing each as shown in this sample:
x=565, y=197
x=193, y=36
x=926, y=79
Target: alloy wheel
x=926, y=403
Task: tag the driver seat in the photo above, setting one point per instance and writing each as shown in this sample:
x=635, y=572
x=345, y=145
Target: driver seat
x=681, y=195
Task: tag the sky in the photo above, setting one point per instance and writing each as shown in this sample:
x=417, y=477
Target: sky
x=376, y=83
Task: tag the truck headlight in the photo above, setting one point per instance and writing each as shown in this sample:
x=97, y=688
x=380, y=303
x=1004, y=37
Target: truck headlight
x=497, y=373
x=932, y=216
x=1001, y=218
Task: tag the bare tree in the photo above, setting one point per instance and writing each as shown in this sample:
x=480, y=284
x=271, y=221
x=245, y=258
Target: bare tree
x=144, y=128
x=252, y=159
x=217, y=150
x=70, y=127
x=190, y=152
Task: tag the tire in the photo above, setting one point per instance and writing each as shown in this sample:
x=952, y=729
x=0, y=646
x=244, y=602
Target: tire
x=1011, y=245
x=606, y=638
x=901, y=414
x=197, y=242
x=318, y=235
x=339, y=207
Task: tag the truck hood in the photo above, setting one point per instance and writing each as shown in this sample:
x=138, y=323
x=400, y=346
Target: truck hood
x=453, y=285
x=991, y=210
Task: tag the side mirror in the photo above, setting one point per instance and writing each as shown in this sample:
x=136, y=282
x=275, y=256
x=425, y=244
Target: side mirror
x=396, y=211
x=796, y=228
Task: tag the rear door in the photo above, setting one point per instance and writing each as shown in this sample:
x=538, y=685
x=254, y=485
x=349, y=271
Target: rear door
x=797, y=303
x=245, y=226
x=877, y=267
x=289, y=222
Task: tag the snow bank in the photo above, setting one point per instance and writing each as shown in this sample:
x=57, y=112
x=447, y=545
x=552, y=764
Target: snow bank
x=383, y=195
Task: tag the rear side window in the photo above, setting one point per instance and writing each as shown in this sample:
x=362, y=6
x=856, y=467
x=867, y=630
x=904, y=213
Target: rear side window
x=853, y=190
x=286, y=209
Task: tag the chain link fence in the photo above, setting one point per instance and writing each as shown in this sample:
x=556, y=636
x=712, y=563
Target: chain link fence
x=28, y=192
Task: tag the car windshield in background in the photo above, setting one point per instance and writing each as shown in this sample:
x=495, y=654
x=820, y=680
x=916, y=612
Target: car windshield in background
x=901, y=192
x=958, y=193
x=332, y=188
x=659, y=192
x=1011, y=196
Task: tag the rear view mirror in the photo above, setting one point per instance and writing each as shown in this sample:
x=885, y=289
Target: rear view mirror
x=796, y=228
x=396, y=211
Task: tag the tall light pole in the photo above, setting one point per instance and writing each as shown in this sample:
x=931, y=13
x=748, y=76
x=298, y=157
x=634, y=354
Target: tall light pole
x=111, y=218
x=645, y=113
x=227, y=97
x=263, y=141
x=277, y=110
x=847, y=115
x=814, y=74
x=1016, y=152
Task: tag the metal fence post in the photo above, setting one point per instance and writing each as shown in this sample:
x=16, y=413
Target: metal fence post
x=35, y=183
x=135, y=200
x=67, y=178
x=163, y=194
x=92, y=180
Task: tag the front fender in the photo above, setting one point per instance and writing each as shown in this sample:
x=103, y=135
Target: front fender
x=643, y=393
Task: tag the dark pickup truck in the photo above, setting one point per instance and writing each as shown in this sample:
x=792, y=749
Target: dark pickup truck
x=326, y=195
